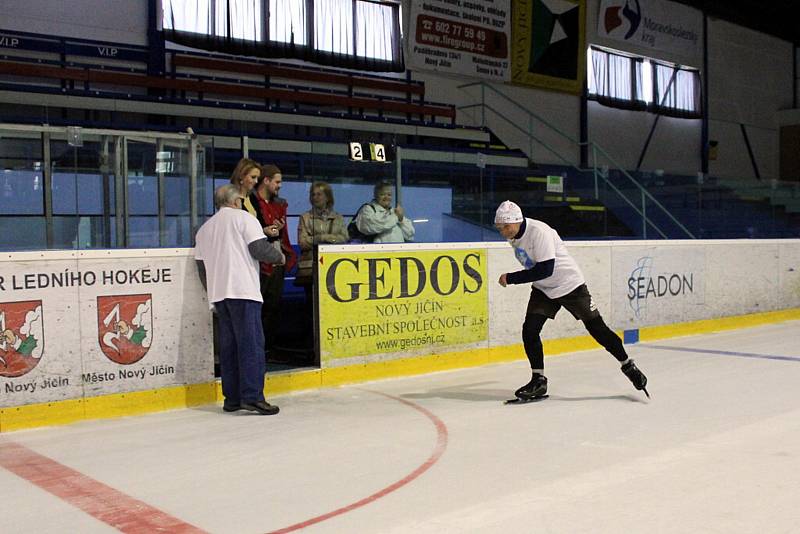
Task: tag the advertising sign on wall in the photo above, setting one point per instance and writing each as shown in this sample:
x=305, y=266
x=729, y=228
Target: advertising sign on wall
x=392, y=302
x=549, y=44
x=73, y=328
x=464, y=37
x=656, y=285
x=651, y=23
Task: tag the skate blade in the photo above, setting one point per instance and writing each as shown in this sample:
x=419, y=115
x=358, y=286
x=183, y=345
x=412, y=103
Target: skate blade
x=518, y=400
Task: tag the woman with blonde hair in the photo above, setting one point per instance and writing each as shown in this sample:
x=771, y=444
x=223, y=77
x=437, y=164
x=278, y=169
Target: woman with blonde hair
x=247, y=176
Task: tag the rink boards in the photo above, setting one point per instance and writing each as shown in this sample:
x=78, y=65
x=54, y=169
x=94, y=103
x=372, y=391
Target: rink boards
x=106, y=333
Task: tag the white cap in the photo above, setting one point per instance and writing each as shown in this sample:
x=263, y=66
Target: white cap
x=508, y=212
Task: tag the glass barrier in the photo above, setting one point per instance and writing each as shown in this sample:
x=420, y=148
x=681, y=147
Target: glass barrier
x=62, y=188
x=68, y=188
x=22, y=220
x=110, y=189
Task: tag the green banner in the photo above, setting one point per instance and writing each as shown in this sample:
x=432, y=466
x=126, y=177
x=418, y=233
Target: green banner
x=549, y=44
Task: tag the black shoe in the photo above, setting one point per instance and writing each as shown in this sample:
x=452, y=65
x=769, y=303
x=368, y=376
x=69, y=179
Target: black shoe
x=537, y=387
x=636, y=377
x=262, y=407
x=231, y=407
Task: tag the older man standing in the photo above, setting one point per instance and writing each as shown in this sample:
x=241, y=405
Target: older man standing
x=228, y=248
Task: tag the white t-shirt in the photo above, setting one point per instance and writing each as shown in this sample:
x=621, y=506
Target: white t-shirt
x=541, y=243
x=231, y=272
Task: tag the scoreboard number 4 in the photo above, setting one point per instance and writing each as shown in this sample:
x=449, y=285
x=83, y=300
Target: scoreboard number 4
x=377, y=152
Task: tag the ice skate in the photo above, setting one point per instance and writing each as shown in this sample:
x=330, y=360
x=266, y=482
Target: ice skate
x=534, y=390
x=636, y=377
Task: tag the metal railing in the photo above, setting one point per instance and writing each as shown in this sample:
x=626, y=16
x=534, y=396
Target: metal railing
x=599, y=171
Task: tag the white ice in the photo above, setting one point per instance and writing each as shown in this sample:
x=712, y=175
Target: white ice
x=716, y=450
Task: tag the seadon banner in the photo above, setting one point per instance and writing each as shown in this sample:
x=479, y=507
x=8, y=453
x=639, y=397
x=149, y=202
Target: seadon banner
x=78, y=325
x=653, y=285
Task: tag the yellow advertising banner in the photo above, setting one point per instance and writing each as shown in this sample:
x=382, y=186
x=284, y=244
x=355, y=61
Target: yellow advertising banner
x=389, y=302
x=549, y=44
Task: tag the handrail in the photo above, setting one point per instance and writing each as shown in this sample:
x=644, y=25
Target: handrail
x=529, y=112
x=579, y=169
x=643, y=190
x=518, y=127
x=590, y=144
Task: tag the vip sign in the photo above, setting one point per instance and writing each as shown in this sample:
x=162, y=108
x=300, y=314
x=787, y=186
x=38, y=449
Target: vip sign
x=390, y=302
x=21, y=337
x=125, y=326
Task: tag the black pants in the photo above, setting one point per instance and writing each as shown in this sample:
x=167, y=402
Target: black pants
x=271, y=292
x=579, y=303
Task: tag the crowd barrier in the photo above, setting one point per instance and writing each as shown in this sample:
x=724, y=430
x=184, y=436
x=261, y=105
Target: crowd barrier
x=90, y=334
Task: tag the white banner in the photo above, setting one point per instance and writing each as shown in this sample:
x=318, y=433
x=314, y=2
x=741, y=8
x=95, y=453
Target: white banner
x=106, y=322
x=656, y=285
x=652, y=24
x=467, y=37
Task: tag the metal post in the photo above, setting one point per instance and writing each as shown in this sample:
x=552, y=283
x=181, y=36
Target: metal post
x=483, y=105
x=47, y=184
x=584, y=122
x=704, y=125
x=594, y=166
x=162, y=220
x=245, y=146
x=481, y=203
x=193, y=188
x=104, y=171
x=644, y=215
x=530, y=137
x=120, y=190
x=699, y=207
x=399, y=175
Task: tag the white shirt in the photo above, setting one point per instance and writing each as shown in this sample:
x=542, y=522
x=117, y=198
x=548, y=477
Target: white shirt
x=541, y=243
x=231, y=272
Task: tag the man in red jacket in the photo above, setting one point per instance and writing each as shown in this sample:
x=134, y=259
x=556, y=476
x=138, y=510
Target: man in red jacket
x=273, y=209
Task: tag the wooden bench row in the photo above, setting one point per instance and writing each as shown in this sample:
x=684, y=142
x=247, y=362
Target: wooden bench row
x=407, y=88
x=203, y=88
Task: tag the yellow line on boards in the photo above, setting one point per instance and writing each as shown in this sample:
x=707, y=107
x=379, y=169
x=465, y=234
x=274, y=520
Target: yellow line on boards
x=155, y=400
x=705, y=326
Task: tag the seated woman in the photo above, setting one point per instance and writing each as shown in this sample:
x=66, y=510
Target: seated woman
x=380, y=222
x=320, y=224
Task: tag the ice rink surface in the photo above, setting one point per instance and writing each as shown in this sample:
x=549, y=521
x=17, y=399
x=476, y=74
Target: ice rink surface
x=716, y=450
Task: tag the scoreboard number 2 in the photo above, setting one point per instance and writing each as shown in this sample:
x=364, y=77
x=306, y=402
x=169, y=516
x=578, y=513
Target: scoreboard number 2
x=356, y=153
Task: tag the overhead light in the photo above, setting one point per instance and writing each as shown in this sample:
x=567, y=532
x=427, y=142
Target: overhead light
x=74, y=136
